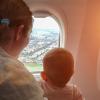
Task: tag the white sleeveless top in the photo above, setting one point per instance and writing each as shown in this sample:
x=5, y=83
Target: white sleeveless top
x=69, y=92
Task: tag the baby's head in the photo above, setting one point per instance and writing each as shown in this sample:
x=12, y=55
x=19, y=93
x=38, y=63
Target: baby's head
x=58, y=65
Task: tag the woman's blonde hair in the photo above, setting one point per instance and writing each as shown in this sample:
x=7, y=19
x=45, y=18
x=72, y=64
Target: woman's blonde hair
x=16, y=12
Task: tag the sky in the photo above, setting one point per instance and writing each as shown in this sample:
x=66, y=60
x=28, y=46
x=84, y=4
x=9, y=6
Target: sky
x=45, y=23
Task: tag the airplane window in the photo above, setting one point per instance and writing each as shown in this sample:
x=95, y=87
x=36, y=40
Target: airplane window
x=44, y=36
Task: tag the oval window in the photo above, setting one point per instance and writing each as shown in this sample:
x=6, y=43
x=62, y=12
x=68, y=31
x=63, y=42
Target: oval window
x=45, y=36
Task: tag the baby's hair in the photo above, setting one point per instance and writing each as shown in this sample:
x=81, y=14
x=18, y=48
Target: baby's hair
x=58, y=65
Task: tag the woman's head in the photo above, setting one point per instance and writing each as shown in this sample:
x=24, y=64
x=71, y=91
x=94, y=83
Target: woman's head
x=17, y=12
x=58, y=66
x=15, y=22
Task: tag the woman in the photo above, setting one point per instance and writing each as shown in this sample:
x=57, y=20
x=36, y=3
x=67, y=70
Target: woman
x=16, y=83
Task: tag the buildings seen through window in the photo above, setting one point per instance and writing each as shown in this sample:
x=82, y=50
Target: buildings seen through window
x=44, y=36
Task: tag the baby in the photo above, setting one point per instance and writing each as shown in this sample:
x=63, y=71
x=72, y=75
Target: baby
x=58, y=66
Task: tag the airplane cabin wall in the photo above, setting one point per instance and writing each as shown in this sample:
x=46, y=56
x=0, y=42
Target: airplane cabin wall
x=88, y=52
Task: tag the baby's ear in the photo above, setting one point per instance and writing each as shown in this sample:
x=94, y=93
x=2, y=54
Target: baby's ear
x=43, y=75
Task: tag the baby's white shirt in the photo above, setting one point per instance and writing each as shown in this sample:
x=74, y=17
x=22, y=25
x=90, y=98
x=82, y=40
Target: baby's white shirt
x=69, y=92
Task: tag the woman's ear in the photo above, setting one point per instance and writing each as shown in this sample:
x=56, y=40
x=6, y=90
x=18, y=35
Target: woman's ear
x=19, y=31
x=43, y=75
